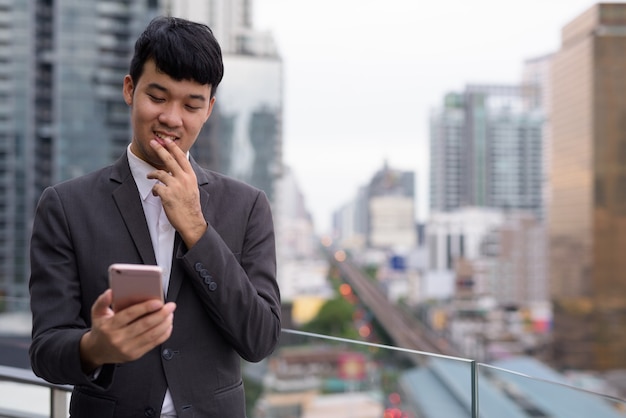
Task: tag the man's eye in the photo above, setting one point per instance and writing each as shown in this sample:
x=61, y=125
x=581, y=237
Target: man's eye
x=190, y=107
x=155, y=98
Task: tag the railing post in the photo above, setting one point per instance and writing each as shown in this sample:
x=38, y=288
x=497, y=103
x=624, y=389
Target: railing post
x=58, y=403
x=474, y=369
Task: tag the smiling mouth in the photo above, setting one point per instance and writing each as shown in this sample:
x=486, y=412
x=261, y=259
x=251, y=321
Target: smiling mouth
x=164, y=137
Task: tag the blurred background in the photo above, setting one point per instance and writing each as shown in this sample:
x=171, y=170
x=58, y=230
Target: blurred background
x=447, y=177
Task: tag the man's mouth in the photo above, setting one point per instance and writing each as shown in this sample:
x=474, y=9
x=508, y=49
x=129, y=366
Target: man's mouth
x=163, y=137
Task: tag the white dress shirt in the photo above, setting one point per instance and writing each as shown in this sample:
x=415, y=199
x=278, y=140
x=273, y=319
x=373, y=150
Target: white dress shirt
x=162, y=235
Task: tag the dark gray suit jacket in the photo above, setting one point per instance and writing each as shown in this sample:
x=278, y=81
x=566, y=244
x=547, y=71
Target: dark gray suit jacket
x=228, y=302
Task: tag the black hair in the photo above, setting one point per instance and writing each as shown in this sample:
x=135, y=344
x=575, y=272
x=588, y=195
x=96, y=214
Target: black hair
x=182, y=49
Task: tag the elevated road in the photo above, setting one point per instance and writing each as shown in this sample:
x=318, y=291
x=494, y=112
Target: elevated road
x=405, y=330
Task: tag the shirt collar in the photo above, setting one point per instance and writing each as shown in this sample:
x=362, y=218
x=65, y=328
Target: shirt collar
x=140, y=169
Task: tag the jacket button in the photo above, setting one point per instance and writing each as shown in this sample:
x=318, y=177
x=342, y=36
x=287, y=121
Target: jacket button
x=212, y=286
x=205, y=273
x=149, y=412
x=207, y=280
x=198, y=266
x=167, y=354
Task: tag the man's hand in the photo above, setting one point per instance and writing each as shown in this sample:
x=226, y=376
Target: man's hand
x=118, y=337
x=178, y=190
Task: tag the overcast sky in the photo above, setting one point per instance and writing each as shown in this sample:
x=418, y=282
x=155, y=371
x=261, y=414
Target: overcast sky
x=361, y=77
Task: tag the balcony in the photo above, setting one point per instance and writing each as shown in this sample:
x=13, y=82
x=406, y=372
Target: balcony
x=312, y=375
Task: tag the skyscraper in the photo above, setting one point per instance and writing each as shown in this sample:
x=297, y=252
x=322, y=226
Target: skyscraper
x=537, y=72
x=16, y=147
x=243, y=137
x=486, y=149
x=587, y=226
x=63, y=113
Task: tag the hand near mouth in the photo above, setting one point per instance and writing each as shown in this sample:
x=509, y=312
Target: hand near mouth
x=178, y=190
x=161, y=138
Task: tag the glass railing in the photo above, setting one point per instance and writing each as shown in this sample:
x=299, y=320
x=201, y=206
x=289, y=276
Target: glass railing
x=545, y=394
x=312, y=375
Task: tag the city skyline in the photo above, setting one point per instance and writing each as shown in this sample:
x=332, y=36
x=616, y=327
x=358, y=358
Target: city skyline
x=477, y=278
x=390, y=64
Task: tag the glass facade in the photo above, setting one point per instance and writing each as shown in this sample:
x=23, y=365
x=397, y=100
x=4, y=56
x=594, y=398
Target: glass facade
x=62, y=113
x=243, y=137
x=486, y=150
x=15, y=152
x=446, y=139
x=94, y=41
x=588, y=213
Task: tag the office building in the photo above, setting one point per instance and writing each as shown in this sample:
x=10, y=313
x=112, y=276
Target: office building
x=231, y=22
x=16, y=149
x=350, y=223
x=243, y=137
x=505, y=252
x=381, y=216
x=486, y=149
x=587, y=227
x=391, y=209
x=62, y=113
x=537, y=72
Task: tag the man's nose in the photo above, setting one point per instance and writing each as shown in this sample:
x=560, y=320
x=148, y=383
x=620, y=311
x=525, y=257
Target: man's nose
x=171, y=116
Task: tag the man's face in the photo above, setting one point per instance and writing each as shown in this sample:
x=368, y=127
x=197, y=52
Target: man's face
x=162, y=107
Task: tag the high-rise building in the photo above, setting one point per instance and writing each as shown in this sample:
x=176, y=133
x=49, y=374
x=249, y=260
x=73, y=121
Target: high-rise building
x=537, y=72
x=231, y=22
x=62, y=113
x=16, y=147
x=391, y=209
x=587, y=226
x=486, y=149
x=350, y=222
x=243, y=137
x=381, y=216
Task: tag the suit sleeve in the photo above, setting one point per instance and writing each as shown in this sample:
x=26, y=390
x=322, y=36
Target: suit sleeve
x=239, y=289
x=59, y=317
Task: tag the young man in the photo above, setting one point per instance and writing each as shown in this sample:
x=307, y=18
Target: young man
x=212, y=235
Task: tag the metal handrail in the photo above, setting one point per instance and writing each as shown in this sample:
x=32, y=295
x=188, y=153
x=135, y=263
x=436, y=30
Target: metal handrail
x=58, y=393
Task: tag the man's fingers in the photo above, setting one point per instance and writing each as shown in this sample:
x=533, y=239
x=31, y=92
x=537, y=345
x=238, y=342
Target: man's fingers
x=147, y=332
x=102, y=305
x=166, y=156
x=178, y=154
x=172, y=156
x=134, y=312
x=156, y=334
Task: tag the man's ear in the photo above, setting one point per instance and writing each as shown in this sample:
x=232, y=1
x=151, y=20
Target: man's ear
x=210, y=109
x=128, y=89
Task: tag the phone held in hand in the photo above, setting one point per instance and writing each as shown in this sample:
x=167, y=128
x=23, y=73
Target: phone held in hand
x=134, y=283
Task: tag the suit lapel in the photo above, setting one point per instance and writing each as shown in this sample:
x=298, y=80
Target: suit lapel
x=126, y=197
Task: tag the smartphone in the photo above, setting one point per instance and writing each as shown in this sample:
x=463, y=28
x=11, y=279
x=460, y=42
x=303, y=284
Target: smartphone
x=134, y=283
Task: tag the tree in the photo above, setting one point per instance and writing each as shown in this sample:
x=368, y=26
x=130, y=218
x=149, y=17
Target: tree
x=334, y=318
